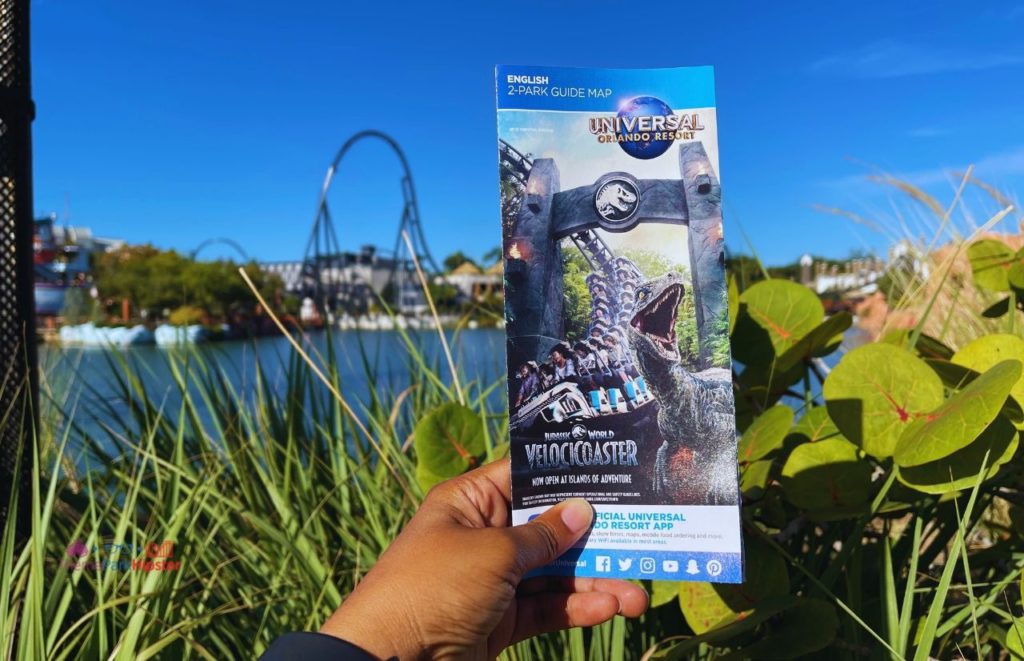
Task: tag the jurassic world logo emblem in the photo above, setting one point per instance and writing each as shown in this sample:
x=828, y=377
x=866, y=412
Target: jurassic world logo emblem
x=616, y=200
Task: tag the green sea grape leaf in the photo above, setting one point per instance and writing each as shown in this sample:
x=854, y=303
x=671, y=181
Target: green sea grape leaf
x=769, y=377
x=959, y=420
x=876, y=391
x=754, y=478
x=990, y=264
x=1015, y=276
x=774, y=315
x=708, y=606
x=926, y=345
x=766, y=610
x=765, y=433
x=957, y=377
x=827, y=335
x=807, y=626
x=960, y=470
x=988, y=350
x=826, y=475
x=449, y=441
x=815, y=425
x=953, y=376
x=427, y=479
x=663, y=592
x=1015, y=637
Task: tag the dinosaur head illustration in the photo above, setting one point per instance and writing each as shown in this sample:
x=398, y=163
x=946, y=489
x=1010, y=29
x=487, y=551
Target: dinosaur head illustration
x=652, y=328
x=615, y=199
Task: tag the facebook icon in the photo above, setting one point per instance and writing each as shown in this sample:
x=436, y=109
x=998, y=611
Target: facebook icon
x=603, y=562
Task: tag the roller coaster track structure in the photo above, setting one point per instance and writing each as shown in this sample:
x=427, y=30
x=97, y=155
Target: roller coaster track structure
x=231, y=243
x=325, y=274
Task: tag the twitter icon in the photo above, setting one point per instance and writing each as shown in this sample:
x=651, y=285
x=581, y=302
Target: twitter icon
x=625, y=564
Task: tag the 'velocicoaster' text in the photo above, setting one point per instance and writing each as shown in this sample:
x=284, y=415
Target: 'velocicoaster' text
x=581, y=453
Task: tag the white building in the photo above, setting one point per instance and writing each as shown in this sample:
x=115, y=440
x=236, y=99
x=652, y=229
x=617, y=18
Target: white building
x=473, y=283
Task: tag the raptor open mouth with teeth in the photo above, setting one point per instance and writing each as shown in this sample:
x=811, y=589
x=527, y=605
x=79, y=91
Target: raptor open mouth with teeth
x=657, y=321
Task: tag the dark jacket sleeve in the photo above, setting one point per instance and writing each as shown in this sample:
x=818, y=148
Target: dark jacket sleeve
x=312, y=646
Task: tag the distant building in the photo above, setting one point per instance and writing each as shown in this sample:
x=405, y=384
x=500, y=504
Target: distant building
x=856, y=276
x=358, y=279
x=67, y=250
x=473, y=283
x=63, y=261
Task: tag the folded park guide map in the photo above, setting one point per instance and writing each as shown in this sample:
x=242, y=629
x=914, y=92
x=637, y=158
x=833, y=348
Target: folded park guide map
x=619, y=378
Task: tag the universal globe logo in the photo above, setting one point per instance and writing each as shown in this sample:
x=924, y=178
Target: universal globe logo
x=645, y=127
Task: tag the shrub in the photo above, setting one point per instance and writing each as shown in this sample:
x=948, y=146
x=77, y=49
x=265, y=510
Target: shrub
x=186, y=315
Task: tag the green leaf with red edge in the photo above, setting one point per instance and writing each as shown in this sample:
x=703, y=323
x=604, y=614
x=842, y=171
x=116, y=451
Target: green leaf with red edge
x=959, y=420
x=766, y=433
x=990, y=264
x=989, y=350
x=876, y=391
x=774, y=315
x=826, y=476
x=754, y=478
x=814, y=426
x=822, y=340
x=957, y=377
x=960, y=470
x=448, y=441
x=708, y=606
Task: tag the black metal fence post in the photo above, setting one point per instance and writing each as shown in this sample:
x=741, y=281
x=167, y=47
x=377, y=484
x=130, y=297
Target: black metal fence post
x=18, y=360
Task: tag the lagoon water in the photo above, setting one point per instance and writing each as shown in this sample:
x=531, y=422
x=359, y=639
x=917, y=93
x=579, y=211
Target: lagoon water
x=86, y=376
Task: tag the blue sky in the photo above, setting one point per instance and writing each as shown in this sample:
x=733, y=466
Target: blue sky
x=177, y=122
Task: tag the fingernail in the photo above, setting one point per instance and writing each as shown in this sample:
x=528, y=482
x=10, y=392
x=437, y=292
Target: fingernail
x=577, y=514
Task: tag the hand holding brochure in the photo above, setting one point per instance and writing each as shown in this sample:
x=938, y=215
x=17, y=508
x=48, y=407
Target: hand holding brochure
x=620, y=387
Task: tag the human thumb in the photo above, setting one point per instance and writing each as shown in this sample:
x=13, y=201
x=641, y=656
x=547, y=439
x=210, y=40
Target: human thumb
x=551, y=534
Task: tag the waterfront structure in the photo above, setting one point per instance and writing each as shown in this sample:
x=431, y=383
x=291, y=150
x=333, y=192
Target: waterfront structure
x=473, y=283
x=62, y=255
x=355, y=281
x=855, y=277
